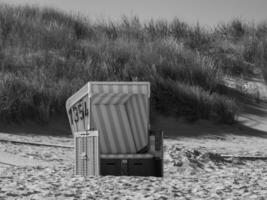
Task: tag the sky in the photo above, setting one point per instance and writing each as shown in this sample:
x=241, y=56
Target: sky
x=204, y=12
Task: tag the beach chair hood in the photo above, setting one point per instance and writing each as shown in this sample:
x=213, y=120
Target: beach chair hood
x=118, y=110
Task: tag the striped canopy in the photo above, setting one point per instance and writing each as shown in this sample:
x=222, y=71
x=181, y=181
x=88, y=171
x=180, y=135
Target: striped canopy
x=119, y=110
x=121, y=120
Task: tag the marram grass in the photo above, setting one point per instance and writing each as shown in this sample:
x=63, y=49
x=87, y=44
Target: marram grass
x=46, y=55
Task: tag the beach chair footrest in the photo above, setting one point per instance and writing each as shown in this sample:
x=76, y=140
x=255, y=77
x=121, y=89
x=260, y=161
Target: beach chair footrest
x=130, y=166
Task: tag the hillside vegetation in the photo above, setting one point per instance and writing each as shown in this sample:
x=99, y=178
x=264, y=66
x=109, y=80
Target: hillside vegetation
x=46, y=55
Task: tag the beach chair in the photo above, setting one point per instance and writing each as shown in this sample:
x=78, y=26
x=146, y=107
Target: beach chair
x=119, y=111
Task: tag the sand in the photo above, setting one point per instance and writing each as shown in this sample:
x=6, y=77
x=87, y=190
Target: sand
x=193, y=165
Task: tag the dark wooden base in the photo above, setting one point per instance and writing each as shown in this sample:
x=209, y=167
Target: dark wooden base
x=131, y=167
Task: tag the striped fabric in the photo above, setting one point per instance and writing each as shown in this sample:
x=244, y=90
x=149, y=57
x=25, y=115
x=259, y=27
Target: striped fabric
x=119, y=110
x=130, y=87
x=114, y=128
x=109, y=98
x=122, y=120
x=137, y=110
x=126, y=156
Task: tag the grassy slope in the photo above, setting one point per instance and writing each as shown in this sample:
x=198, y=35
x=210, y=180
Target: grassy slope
x=45, y=56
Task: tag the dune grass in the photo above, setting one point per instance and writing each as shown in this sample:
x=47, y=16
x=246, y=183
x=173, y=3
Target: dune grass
x=46, y=55
x=262, y=54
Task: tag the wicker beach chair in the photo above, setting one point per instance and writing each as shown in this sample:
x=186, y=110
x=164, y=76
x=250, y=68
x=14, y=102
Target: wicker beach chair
x=119, y=111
